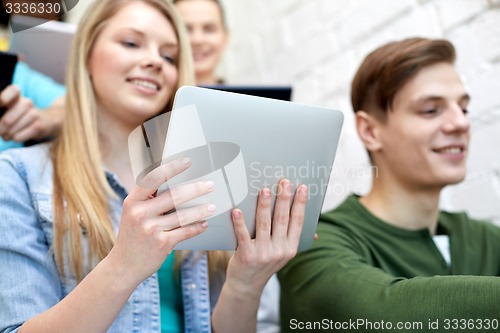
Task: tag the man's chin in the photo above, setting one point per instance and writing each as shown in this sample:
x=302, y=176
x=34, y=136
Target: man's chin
x=455, y=179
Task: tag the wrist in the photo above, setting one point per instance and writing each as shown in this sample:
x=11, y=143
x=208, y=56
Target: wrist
x=244, y=290
x=119, y=272
x=54, y=117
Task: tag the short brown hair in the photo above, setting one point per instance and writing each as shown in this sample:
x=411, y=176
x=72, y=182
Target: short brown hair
x=387, y=69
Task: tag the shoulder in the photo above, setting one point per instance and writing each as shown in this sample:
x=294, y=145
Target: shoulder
x=348, y=221
x=460, y=222
x=348, y=212
x=34, y=155
x=32, y=164
x=340, y=234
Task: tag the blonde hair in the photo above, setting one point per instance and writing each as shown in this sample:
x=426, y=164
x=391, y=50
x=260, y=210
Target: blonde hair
x=81, y=190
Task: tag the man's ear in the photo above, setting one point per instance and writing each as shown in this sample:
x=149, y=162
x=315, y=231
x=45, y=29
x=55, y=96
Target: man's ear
x=368, y=128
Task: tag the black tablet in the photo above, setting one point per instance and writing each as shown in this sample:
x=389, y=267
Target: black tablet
x=283, y=93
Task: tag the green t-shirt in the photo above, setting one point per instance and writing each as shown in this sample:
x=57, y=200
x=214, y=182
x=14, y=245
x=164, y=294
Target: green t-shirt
x=362, y=268
x=170, y=298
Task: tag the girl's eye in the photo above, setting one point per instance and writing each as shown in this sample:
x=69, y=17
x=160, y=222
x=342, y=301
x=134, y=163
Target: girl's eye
x=169, y=59
x=129, y=43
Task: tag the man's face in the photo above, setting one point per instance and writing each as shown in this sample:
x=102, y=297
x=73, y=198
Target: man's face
x=424, y=141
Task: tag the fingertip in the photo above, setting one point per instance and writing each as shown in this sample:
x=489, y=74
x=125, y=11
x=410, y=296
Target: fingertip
x=237, y=214
x=265, y=192
x=284, y=187
x=211, y=209
x=204, y=224
x=185, y=161
x=302, y=190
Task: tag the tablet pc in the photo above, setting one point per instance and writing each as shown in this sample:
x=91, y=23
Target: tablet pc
x=277, y=92
x=44, y=47
x=8, y=61
x=242, y=143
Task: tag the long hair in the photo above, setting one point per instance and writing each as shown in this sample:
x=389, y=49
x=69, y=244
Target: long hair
x=81, y=191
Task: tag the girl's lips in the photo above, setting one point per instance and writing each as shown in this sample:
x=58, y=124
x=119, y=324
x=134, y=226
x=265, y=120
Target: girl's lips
x=145, y=86
x=145, y=83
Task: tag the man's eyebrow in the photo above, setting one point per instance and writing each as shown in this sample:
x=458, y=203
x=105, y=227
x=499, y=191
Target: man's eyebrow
x=430, y=98
x=465, y=98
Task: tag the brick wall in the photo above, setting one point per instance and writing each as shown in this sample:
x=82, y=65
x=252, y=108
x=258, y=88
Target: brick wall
x=316, y=45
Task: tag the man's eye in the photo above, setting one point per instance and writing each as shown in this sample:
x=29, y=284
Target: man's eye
x=429, y=111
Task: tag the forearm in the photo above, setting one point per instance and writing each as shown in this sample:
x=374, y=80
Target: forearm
x=369, y=294
x=54, y=117
x=91, y=307
x=257, y=260
x=236, y=309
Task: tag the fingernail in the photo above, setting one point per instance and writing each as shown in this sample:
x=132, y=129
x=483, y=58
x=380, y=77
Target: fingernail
x=265, y=192
x=209, y=184
x=204, y=224
x=303, y=189
x=211, y=208
x=236, y=214
x=284, y=186
x=185, y=160
x=10, y=94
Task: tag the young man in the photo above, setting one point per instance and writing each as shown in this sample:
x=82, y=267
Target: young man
x=391, y=260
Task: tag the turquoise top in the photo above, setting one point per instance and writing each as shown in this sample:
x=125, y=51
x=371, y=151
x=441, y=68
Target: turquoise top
x=170, y=298
x=41, y=89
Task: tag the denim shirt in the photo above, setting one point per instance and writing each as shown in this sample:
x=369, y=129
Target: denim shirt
x=30, y=282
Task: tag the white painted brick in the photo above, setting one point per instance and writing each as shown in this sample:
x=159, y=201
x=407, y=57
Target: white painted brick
x=243, y=65
x=308, y=54
x=477, y=41
x=277, y=7
x=484, y=87
x=453, y=12
x=302, y=21
x=242, y=17
x=308, y=90
x=422, y=21
x=338, y=72
x=478, y=196
x=351, y=172
x=368, y=16
x=275, y=41
x=341, y=103
x=484, y=144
